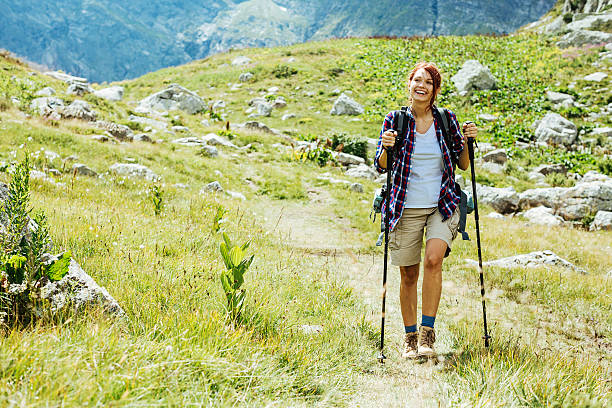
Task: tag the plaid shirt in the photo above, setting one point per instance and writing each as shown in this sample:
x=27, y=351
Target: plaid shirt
x=449, y=196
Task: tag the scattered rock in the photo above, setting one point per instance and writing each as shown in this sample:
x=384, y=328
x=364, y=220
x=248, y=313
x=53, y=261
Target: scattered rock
x=158, y=124
x=532, y=260
x=132, y=170
x=181, y=129
x=51, y=156
x=236, y=195
x=258, y=126
x=66, y=78
x=46, y=105
x=560, y=99
x=546, y=169
x=288, y=116
x=498, y=156
x=245, y=77
x=241, y=60
x=585, y=198
x=175, y=97
x=214, y=140
x=345, y=105
x=101, y=138
x=76, y=291
x=473, y=76
x=142, y=137
x=591, y=22
x=212, y=187
x=495, y=215
x=547, y=197
x=310, y=330
x=356, y=187
x=121, y=132
x=47, y=91
x=602, y=221
x=83, y=170
x=209, y=151
x=543, y=216
x=606, y=132
x=556, y=130
x=578, y=38
x=493, y=168
x=264, y=109
x=190, y=141
x=279, y=103
x=362, y=171
x=348, y=159
x=79, y=89
x=596, y=77
x=79, y=110
x=113, y=93
x=485, y=117
x=503, y=200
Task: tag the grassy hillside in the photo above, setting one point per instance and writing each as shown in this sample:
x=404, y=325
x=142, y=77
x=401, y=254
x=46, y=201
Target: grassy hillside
x=311, y=240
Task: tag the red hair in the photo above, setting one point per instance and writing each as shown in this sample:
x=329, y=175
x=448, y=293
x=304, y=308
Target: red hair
x=431, y=68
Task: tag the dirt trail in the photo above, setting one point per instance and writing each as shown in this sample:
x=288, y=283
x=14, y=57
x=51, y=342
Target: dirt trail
x=398, y=383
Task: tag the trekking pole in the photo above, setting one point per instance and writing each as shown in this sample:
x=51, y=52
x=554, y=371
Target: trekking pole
x=381, y=357
x=486, y=336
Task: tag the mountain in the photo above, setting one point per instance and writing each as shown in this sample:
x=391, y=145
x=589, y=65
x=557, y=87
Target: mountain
x=106, y=40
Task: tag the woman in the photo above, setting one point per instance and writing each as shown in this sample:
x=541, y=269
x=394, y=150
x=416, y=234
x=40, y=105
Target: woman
x=423, y=197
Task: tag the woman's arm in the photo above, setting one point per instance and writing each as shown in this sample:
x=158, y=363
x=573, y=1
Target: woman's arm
x=385, y=139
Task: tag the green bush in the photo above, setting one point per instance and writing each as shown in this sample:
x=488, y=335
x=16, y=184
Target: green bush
x=347, y=144
x=284, y=71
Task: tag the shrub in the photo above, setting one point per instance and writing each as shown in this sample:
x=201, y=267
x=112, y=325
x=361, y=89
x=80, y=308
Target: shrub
x=346, y=144
x=284, y=71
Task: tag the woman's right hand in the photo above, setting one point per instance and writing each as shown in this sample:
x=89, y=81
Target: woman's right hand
x=388, y=138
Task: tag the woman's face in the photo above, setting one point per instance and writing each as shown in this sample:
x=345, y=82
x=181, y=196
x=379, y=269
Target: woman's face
x=421, y=86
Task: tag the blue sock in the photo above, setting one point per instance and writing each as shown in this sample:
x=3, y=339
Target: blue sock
x=428, y=321
x=410, y=329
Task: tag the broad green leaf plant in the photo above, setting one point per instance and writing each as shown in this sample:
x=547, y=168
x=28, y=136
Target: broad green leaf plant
x=236, y=264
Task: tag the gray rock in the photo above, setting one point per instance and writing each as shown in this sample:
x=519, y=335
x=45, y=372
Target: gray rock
x=547, y=197
x=602, y=221
x=279, y=103
x=183, y=129
x=498, y=156
x=560, y=99
x=264, y=109
x=209, y=151
x=602, y=131
x=79, y=110
x=76, y=291
x=101, y=138
x=362, y=171
x=533, y=260
x=142, y=137
x=555, y=27
x=121, y=132
x=356, y=187
x=493, y=168
x=47, y=91
x=46, y=105
x=132, y=170
x=245, y=77
x=240, y=61
x=158, y=124
x=113, y=93
x=596, y=77
x=189, y=141
x=585, y=198
x=591, y=22
x=543, y=216
x=258, y=126
x=175, y=97
x=345, y=105
x=83, y=170
x=236, y=195
x=66, y=78
x=348, y=159
x=214, y=140
x=495, y=215
x=79, y=89
x=594, y=176
x=288, y=116
x=547, y=169
x=485, y=117
x=503, y=200
x=554, y=129
x=212, y=187
x=473, y=76
x=578, y=38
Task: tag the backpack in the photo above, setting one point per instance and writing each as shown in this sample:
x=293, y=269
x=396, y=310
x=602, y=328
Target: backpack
x=466, y=203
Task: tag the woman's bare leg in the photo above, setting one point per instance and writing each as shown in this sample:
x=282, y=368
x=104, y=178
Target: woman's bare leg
x=408, y=293
x=435, y=249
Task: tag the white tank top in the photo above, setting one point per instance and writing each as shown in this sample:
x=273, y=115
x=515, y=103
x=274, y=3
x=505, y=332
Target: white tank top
x=425, y=177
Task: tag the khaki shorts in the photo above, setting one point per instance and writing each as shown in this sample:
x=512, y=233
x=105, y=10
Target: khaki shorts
x=406, y=241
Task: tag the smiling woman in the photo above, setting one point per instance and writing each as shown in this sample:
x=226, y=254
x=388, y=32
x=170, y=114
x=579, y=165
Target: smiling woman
x=423, y=200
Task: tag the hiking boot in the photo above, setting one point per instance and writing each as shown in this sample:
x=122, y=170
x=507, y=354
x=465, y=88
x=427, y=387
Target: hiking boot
x=410, y=345
x=427, y=338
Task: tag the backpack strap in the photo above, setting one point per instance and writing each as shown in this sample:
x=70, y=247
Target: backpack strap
x=443, y=116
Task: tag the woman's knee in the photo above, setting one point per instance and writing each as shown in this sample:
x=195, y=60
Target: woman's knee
x=409, y=274
x=433, y=261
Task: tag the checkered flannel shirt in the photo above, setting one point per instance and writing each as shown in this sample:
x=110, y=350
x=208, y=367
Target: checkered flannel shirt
x=449, y=196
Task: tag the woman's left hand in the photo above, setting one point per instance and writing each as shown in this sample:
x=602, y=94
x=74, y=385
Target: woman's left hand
x=470, y=130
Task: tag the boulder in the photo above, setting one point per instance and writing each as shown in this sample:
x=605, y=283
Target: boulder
x=190, y=141
x=498, y=156
x=113, y=93
x=602, y=221
x=83, y=170
x=46, y=105
x=560, y=99
x=121, y=132
x=132, y=170
x=279, y=103
x=214, y=140
x=547, y=197
x=261, y=127
x=346, y=159
x=485, y=117
x=473, y=76
x=264, y=109
x=142, y=137
x=503, y=200
x=356, y=187
x=245, y=77
x=546, y=169
x=76, y=291
x=532, y=260
x=585, y=198
x=578, y=38
x=591, y=22
x=175, y=97
x=66, y=78
x=47, y=91
x=493, y=168
x=79, y=110
x=554, y=129
x=345, y=105
x=211, y=187
x=209, y=151
x=595, y=176
x=240, y=61
x=158, y=124
x=362, y=171
x=543, y=216
x=602, y=131
x=596, y=77
x=79, y=89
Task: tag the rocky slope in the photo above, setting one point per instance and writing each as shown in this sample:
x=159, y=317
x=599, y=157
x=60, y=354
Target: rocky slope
x=111, y=40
